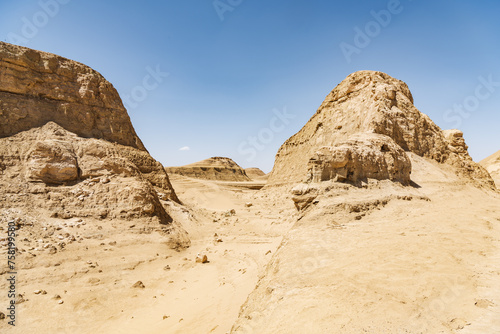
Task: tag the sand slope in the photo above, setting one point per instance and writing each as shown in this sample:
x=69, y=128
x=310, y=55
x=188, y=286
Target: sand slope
x=386, y=259
x=95, y=276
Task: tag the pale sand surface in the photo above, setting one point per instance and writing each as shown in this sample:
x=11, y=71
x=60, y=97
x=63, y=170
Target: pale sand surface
x=194, y=297
x=426, y=265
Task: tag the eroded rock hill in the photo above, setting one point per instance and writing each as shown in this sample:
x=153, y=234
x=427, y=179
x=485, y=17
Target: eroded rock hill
x=37, y=87
x=382, y=196
x=215, y=168
x=371, y=102
x=68, y=148
x=492, y=165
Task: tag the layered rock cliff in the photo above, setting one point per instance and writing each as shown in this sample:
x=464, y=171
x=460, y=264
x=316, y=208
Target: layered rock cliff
x=215, y=168
x=68, y=148
x=371, y=102
x=37, y=87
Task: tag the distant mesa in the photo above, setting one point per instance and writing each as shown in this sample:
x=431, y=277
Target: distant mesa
x=492, y=165
x=215, y=168
x=256, y=174
x=369, y=103
x=68, y=148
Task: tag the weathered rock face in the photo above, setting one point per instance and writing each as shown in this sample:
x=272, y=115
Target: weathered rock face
x=215, y=168
x=459, y=157
x=68, y=148
x=368, y=102
x=52, y=157
x=63, y=175
x=455, y=141
x=361, y=157
x=52, y=161
x=38, y=87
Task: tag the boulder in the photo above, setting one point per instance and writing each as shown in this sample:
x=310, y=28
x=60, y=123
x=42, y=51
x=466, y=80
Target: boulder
x=361, y=157
x=52, y=161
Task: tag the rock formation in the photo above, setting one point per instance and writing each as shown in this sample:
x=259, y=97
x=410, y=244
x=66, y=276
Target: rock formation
x=38, y=87
x=492, y=165
x=361, y=157
x=351, y=251
x=255, y=173
x=49, y=158
x=215, y=168
x=68, y=148
x=371, y=102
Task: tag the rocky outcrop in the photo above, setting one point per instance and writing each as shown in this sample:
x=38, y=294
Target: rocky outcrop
x=361, y=157
x=369, y=102
x=62, y=175
x=459, y=157
x=255, y=173
x=50, y=157
x=68, y=148
x=215, y=168
x=38, y=87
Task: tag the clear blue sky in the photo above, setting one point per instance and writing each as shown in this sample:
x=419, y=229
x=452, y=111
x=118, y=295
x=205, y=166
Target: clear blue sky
x=228, y=78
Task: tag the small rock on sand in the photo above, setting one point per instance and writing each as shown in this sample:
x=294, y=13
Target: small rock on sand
x=201, y=258
x=139, y=285
x=21, y=299
x=230, y=213
x=217, y=238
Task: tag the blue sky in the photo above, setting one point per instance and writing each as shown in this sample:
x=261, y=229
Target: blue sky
x=236, y=78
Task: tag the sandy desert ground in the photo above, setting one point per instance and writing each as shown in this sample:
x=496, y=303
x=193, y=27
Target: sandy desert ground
x=94, y=277
x=403, y=265
x=386, y=259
